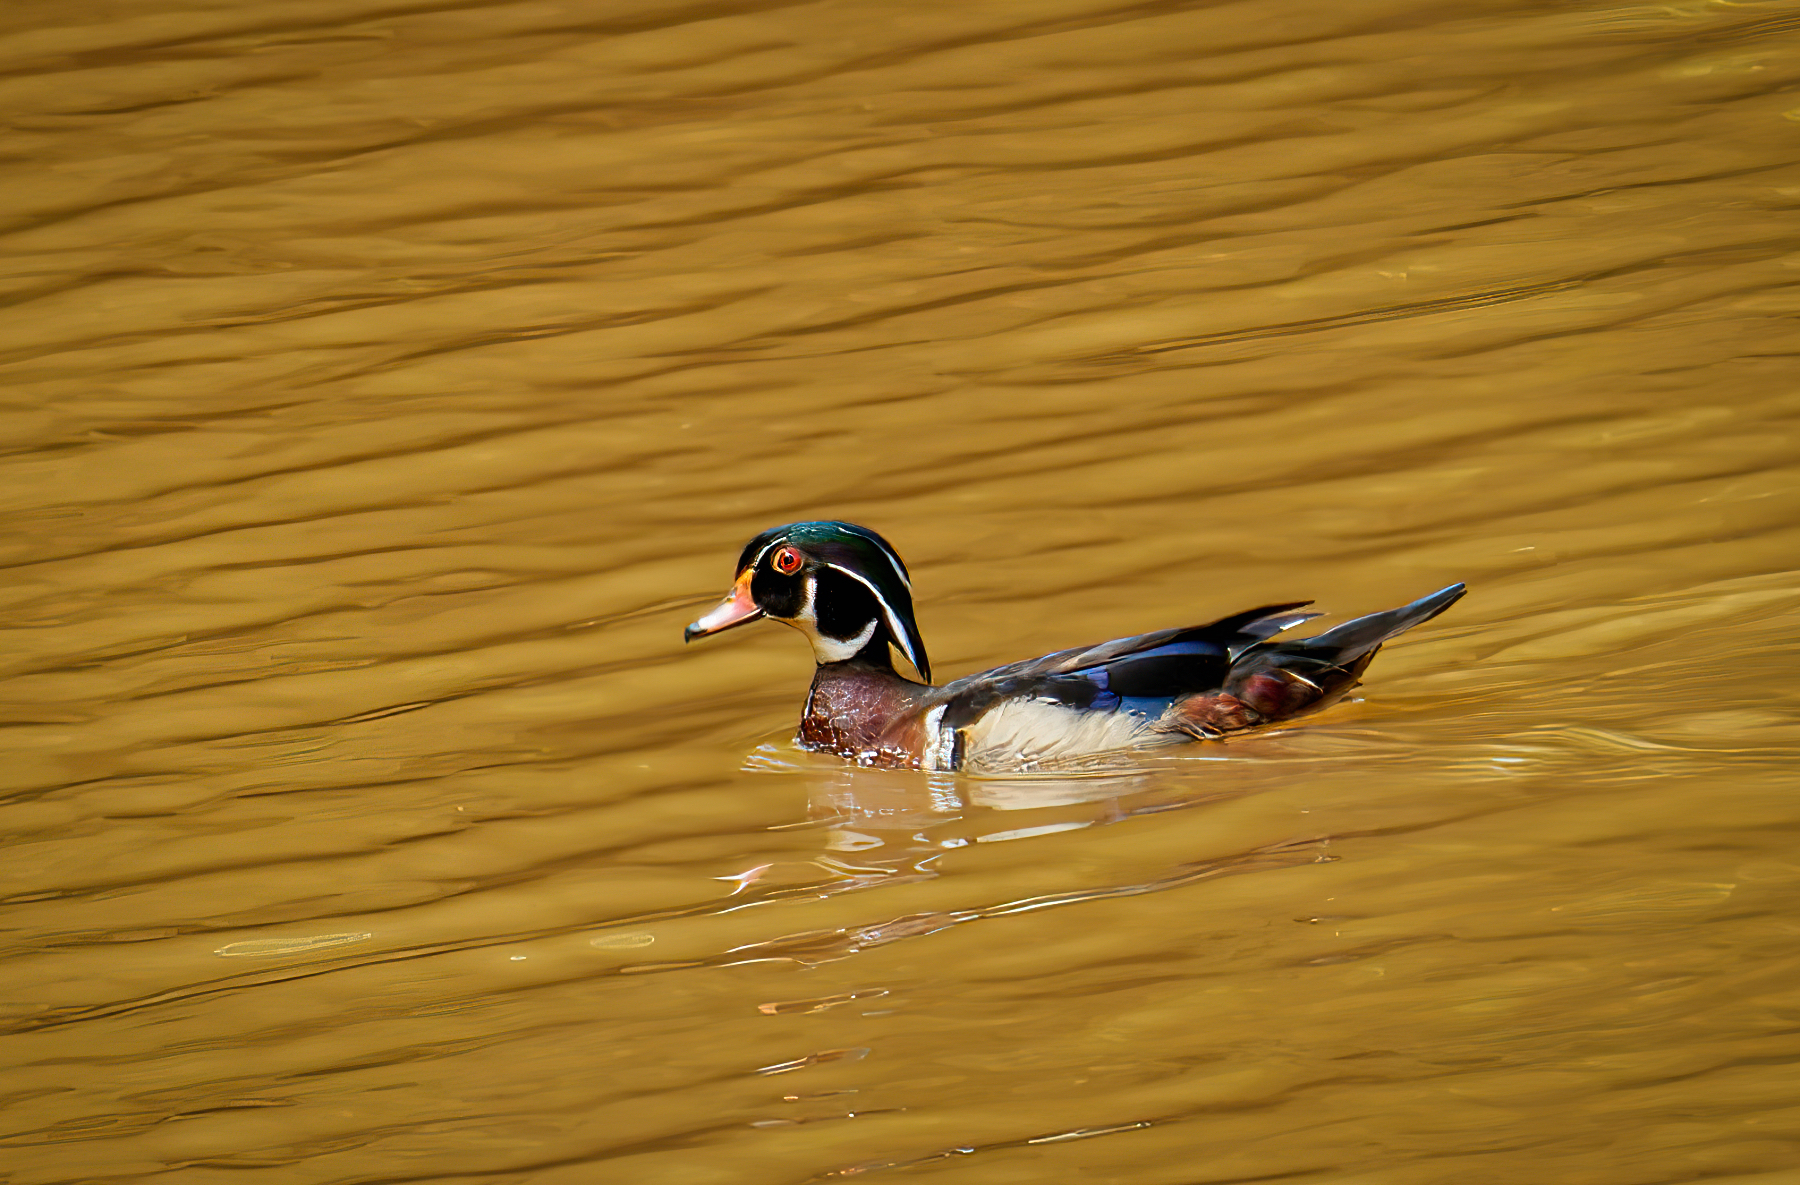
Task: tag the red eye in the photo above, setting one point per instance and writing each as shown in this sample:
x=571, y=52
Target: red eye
x=786, y=561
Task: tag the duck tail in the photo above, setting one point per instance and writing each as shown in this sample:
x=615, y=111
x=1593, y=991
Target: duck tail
x=1280, y=678
x=1354, y=639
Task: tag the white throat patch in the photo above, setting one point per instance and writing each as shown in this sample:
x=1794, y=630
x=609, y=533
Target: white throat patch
x=832, y=650
x=827, y=649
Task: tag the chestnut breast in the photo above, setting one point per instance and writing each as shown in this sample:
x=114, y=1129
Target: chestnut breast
x=870, y=716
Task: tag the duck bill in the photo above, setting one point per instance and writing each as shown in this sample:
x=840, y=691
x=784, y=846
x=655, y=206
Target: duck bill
x=735, y=609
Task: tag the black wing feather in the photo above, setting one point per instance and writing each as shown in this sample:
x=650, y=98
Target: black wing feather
x=1163, y=664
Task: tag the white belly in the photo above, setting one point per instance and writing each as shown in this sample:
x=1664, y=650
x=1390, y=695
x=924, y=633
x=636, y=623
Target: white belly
x=1019, y=736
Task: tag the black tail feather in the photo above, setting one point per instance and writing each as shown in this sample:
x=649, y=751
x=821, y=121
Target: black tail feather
x=1280, y=678
x=1348, y=642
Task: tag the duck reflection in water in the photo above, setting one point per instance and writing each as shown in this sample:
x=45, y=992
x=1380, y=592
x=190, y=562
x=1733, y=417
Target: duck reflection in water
x=882, y=823
x=885, y=827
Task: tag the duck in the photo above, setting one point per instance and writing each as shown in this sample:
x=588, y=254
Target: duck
x=846, y=589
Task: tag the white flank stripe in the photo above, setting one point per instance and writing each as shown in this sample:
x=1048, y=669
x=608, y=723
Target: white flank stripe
x=940, y=743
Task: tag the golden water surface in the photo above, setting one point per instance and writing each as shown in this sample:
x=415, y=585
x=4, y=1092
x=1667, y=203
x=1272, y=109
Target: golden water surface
x=387, y=383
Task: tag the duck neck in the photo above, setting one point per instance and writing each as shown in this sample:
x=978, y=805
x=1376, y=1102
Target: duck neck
x=863, y=709
x=870, y=667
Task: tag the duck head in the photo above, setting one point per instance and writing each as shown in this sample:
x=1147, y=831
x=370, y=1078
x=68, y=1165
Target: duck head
x=839, y=584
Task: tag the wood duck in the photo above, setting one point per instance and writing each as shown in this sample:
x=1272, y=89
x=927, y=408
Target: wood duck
x=847, y=590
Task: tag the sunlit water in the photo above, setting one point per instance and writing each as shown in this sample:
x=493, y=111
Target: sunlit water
x=388, y=385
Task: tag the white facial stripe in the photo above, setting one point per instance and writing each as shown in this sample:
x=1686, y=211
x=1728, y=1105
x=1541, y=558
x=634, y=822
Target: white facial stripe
x=892, y=559
x=893, y=622
x=899, y=568
x=807, y=617
x=760, y=555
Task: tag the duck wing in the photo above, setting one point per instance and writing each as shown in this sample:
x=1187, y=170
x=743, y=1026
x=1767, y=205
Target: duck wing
x=1134, y=673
